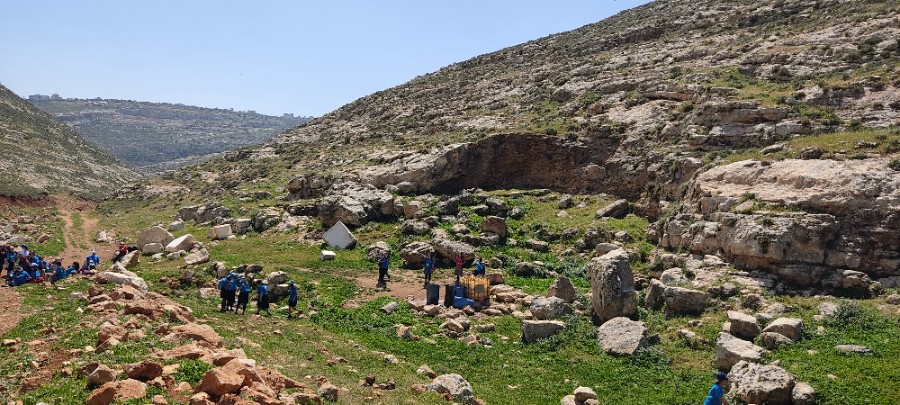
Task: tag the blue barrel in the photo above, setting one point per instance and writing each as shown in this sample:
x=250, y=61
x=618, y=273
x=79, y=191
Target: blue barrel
x=459, y=291
x=462, y=302
x=432, y=294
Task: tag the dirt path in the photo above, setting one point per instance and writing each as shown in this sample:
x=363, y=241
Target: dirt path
x=10, y=301
x=77, y=238
x=401, y=285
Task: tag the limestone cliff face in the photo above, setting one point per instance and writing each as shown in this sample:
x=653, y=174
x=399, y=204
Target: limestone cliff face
x=805, y=220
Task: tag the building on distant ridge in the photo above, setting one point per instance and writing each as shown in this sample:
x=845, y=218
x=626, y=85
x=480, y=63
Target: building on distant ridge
x=39, y=97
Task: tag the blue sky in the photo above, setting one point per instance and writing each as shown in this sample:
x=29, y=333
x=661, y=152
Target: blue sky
x=274, y=57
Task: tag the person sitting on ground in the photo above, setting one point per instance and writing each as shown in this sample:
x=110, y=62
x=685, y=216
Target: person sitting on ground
x=429, y=268
x=93, y=258
x=262, y=298
x=243, y=296
x=479, y=268
x=36, y=276
x=19, y=277
x=716, y=394
x=121, y=252
x=58, y=271
x=72, y=269
x=292, y=298
x=24, y=256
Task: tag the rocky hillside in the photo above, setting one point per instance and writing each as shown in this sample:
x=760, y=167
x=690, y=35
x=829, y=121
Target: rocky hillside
x=153, y=137
x=42, y=155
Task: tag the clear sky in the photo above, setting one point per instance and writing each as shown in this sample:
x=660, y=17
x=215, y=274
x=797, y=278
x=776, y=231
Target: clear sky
x=273, y=57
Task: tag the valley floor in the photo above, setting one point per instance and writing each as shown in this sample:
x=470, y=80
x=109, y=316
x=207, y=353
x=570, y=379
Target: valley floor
x=344, y=337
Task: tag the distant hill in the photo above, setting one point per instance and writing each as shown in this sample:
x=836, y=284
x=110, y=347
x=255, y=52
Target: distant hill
x=152, y=137
x=42, y=156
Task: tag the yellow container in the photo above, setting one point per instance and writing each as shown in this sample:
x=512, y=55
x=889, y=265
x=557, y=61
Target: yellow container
x=477, y=288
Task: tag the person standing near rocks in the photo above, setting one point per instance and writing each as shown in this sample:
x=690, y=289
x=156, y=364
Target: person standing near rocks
x=11, y=256
x=292, y=299
x=231, y=291
x=222, y=285
x=716, y=394
x=458, y=271
x=243, y=297
x=262, y=298
x=429, y=268
x=384, y=262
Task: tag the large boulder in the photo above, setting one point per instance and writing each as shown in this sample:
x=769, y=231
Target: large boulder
x=562, y=288
x=204, y=213
x=761, y=384
x=533, y=331
x=612, y=286
x=617, y=209
x=449, y=248
x=743, y=326
x=144, y=371
x=152, y=248
x=414, y=253
x=117, y=274
x=155, y=234
x=731, y=350
x=184, y=242
x=218, y=382
x=495, y=225
x=543, y=308
x=792, y=328
x=683, y=301
x=455, y=386
x=415, y=227
x=622, y=336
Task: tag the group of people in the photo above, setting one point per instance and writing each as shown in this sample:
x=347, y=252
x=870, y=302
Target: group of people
x=234, y=291
x=384, y=260
x=24, y=266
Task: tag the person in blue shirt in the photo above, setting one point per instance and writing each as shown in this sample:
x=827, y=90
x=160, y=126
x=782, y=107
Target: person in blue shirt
x=59, y=272
x=222, y=285
x=429, y=268
x=231, y=291
x=93, y=258
x=292, y=299
x=11, y=256
x=716, y=394
x=384, y=262
x=262, y=298
x=243, y=296
x=479, y=268
x=36, y=276
x=72, y=269
x=19, y=277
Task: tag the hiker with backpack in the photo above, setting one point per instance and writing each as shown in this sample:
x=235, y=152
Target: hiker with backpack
x=262, y=298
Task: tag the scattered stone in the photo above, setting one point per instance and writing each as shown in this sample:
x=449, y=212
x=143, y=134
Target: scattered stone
x=854, y=349
x=144, y=371
x=494, y=225
x=731, y=350
x=155, y=234
x=217, y=382
x=219, y=232
x=117, y=391
x=389, y=307
x=184, y=242
x=532, y=331
x=803, y=394
x=622, y=336
x=743, y=326
x=455, y=386
x=198, y=257
x=543, y=308
x=893, y=299
x=583, y=394
x=792, y=328
x=484, y=328
x=101, y=375
x=562, y=288
x=426, y=371
x=683, y=301
x=774, y=340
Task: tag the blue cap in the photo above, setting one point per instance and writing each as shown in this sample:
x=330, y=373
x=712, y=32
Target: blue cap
x=721, y=376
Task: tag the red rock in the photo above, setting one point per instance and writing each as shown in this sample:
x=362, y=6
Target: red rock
x=193, y=331
x=117, y=391
x=218, y=382
x=144, y=371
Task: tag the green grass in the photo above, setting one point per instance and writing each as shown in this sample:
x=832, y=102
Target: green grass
x=887, y=140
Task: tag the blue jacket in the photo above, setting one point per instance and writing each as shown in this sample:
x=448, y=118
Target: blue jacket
x=245, y=287
x=429, y=264
x=12, y=256
x=292, y=293
x=479, y=268
x=93, y=259
x=222, y=282
x=20, y=278
x=70, y=270
x=60, y=273
x=262, y=291
x=231, y=285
